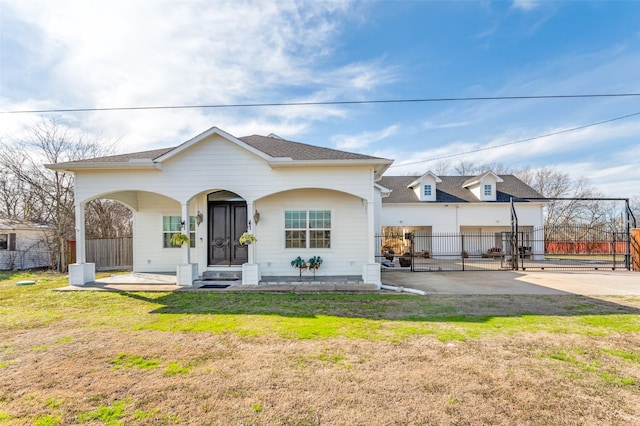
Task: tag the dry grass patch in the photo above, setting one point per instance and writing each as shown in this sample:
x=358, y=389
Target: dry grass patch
x=149, y=359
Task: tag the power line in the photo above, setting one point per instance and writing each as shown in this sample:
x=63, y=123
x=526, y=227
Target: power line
x=272, y=104
x=519, y=141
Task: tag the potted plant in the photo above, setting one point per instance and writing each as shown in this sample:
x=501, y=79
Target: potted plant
x=299, y=263
x=247, y=238
x=178, y=239
x=314, y=264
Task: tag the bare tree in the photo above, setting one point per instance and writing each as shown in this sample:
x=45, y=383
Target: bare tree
x=49, y=193
x=551, y=183
x=467, y=168
x=107, y=219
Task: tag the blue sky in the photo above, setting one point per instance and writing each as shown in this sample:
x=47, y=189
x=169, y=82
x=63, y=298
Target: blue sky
x=69, y=54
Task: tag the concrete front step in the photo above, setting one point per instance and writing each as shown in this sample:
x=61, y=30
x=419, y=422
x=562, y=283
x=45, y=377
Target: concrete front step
x=220, y=278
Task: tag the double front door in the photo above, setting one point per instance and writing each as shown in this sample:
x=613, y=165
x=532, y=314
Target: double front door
x=227, y=222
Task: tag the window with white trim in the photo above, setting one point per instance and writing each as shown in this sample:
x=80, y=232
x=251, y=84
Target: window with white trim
x=307, y=229
x=427, y=190
x=487, y=190
x=172, y=225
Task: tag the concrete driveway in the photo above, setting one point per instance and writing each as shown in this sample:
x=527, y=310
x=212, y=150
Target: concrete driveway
x=588, y=283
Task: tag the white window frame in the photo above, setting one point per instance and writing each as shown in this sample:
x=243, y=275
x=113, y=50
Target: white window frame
x=488, y=190
x=304, y=233
x=175, y=225
x=427, y=190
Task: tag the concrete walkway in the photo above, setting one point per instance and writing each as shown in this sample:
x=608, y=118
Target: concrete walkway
x=588, y=283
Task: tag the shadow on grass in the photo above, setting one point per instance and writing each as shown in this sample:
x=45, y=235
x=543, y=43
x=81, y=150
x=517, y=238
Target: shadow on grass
x=433, y=308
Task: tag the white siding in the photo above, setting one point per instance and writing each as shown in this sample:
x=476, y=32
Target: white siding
x=31, y=250
x=148, y=253
x=216, y=163
x=349, y=236
x=451, y=217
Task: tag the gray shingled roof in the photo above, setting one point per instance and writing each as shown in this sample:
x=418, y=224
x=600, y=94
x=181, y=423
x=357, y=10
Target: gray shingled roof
x=451, y=190
x=123, y=158
x=272, y=146
x=277, y=147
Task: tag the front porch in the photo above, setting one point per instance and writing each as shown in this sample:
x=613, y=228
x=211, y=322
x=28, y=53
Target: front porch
x=148, y=282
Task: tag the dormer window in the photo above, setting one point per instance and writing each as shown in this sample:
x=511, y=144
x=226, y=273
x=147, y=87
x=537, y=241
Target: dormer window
x=425, y=186
x=487, y=190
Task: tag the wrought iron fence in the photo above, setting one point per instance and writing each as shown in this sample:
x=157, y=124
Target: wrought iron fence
x=564, y=248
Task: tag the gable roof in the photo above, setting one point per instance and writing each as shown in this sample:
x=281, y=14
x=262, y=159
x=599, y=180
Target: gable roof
x=477, y=179
x=452, y=190
x=276, y=150
x=419, y=179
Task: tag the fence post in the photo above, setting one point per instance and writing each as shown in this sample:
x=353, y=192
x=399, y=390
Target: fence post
x=462, y=252
x=613, y=234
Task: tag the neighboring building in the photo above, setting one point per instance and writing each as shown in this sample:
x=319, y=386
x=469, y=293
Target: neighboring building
x=476, y=206
x=298, y=200
x=23, y=245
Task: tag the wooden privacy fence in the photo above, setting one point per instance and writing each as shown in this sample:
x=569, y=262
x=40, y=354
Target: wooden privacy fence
x=110, y=253
x=572, y=247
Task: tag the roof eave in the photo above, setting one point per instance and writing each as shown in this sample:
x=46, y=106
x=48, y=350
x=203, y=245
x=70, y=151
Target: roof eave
x=132, y=165
x=380, y=165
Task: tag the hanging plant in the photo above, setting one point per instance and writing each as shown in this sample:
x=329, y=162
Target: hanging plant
x=178, y=239
x=299, y=263
x=247, y=238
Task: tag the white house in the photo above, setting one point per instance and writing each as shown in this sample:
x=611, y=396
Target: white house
x=476, y=206
x=297, y=199
x=23, y=245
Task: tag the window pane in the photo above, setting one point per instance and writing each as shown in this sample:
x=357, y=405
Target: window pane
x=295, y=219
x=295, y=239
x=4, y=238
x=319, y=219
x=166, y=240
x=192, y=223
x=320, y=239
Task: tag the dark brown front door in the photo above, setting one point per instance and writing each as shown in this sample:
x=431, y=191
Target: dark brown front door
x=227, y=222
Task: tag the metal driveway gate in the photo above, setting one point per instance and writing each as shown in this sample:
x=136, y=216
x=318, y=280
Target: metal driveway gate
x=569, y=247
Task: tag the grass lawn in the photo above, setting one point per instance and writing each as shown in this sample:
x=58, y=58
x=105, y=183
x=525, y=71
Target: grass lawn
x=240, y=359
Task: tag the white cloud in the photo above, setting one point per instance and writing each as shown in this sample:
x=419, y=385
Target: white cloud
x=139, y=53
x=364, y=139
x=525, y=5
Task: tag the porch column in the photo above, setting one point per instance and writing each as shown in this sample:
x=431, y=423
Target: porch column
x=81, y=244
x=81, y=272
x=251, y=228
x=185, y=230
x=250, y=270
x=186, y=272
x=371, y=269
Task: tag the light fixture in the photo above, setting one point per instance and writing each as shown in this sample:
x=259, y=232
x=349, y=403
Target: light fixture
x=199, y=218
x=256, y=217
